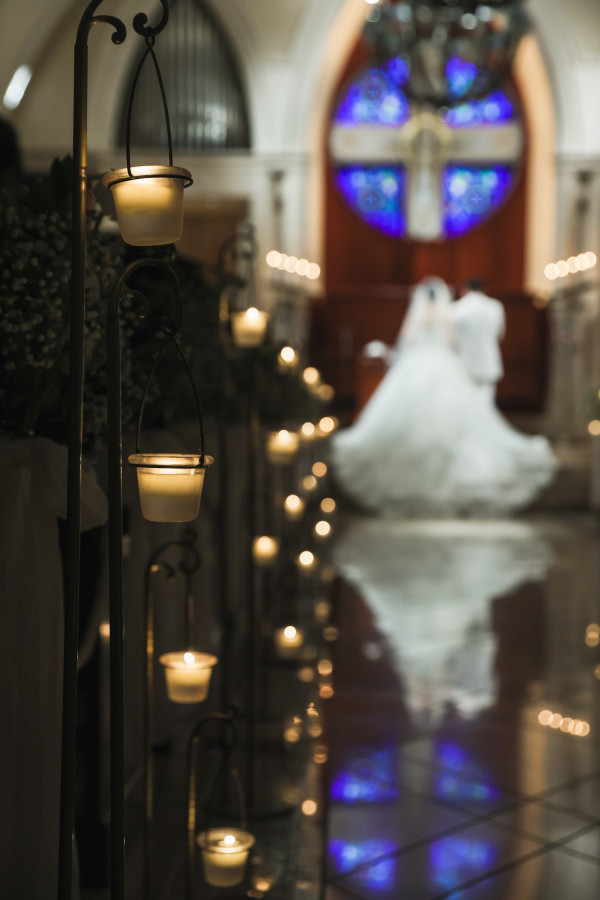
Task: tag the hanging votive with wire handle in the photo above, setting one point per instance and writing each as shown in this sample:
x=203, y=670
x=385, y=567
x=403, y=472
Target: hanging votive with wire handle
x=170, y=484
x=148, y=199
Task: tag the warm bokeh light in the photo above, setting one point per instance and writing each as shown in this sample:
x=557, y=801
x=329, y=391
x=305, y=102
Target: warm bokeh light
x=592, y=635
x=306, y=674
x=311, y=375
x=292, y=502
x=327, y=505
x=309, y=807
x=330, y=633
x=594, y=427
x=288, y=355
x=189, y=658
x=309, y=483
x=306, y=559
x=321, y=755
x=327, y=424
x=229, y=840
x=322, y=611
x=326, y=691
x=292, y=735
x=104, y=629
x=308, y=429
x=289, y=632
x=597, y=672
x=566, y=724
x=322, y=529
x=326, y=393
x=325, y=667
x=319, y=469
x=273, y=258
x=301, y=267
x=570, y=266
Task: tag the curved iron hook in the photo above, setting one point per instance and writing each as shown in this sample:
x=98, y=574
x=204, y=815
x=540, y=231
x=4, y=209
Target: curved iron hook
x=88, y=20
x=139, y=22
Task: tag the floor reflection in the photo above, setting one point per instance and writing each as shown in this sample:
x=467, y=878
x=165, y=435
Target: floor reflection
x=430, y=587
x=450, y=778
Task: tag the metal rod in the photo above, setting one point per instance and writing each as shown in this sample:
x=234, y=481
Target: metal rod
x=76, y=375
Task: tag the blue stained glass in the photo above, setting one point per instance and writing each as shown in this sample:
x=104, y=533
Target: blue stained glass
x=374, y=99
x=382, y=875
x=492, y=110
x=460, y=75
x=471, y=194
x=454, y=860
x=376, y=194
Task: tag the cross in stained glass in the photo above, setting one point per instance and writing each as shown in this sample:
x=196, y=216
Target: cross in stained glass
x=410, y=171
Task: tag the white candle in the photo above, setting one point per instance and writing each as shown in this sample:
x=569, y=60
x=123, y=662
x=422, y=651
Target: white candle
x=170, y=485
x=187, y=675
x=293, y=507
x=288, y=640
x=224, y=855
x=249, y=327
x=265, y=550
x=149, y=209
x=282, y=446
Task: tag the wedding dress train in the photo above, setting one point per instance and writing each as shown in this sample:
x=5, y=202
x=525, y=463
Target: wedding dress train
x=430, y=442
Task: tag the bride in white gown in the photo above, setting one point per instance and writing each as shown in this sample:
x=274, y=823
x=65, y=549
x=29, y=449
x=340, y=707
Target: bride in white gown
x=430, y=442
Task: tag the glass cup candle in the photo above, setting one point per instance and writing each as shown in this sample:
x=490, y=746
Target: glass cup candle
x=187, y=674
x=288, y=640
x=170, y=485
x=224, y=855
x=265, y=550
x=149, y=206
x=249, y=327
x=282, y=447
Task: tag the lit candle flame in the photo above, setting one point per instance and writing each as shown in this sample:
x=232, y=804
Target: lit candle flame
x=189, y=658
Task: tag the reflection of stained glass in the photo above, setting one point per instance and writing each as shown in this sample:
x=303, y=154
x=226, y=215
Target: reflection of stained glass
x=374, y=99
x=492, y=110
x=462, y=778
x=454, y=860
x=376, y=782
x=376, y=194
x=471, y=194
x=381, y=875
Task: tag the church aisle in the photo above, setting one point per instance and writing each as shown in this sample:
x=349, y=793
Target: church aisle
x=464, y=731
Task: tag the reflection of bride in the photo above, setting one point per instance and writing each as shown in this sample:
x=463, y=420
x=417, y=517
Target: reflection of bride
x=429, y=441
x=429, y=586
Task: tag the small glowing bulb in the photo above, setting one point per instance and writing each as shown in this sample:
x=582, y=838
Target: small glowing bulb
x=229, y=839
x=544, y=717
x=252, y=313
x=319, y=469
x=592, y=259
x=273, y=258
x=309, y=483
x=325, y=667
x=189, y=658
x=327, y=505
x=309, y=807
x=292, y=502
x=327, y=424
x=323, y=528
x=288, y=354
x=308, y=429
x=594, y=427
x=313, y=271
x=306, y=558
x=311, y=375
x=550, y=272
x=289, y=632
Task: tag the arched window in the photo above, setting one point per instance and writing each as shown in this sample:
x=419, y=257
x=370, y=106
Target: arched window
x=207, y=105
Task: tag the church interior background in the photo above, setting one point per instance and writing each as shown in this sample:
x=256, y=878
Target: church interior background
x=410, y=704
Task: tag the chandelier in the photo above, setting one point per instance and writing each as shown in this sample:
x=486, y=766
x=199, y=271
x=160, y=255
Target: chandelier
x=446, y=52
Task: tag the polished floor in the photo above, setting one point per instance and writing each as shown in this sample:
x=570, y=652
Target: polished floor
x=464, y=732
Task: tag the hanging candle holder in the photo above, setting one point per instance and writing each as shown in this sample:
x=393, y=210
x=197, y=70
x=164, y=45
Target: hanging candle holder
x=148, y=199
x=170, y=484
x=225, y=849
x=236, y=258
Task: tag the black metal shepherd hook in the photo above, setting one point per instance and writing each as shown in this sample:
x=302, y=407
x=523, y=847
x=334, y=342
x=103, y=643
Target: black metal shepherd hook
x=76, y=377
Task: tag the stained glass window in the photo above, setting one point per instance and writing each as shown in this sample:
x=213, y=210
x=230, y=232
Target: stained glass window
x=376, y=141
